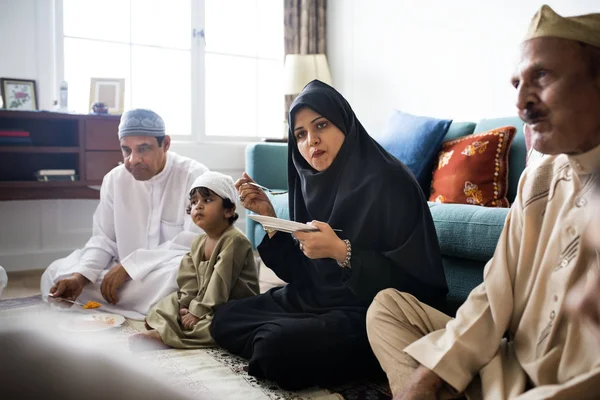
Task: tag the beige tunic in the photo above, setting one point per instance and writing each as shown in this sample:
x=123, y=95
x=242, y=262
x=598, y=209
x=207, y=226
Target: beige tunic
x=538, y=258
x=231, y=273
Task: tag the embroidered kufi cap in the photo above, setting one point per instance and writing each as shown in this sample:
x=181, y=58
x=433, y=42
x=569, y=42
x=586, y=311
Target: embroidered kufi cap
x=582, y=28
x=141, y=122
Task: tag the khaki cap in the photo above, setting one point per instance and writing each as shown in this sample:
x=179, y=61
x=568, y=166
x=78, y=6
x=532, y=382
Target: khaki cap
x=582, y=28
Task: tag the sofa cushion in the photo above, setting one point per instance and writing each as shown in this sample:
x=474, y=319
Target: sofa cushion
x=281, y=205
x=459, y=129
x=462, y=276
x=467, y=231
x=473, y=169
x=518, y=151
x=414, y=140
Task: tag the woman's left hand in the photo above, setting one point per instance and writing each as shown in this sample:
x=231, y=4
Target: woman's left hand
x=323, y=243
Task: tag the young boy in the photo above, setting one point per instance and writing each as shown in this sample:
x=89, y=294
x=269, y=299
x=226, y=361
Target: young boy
x=220, y=266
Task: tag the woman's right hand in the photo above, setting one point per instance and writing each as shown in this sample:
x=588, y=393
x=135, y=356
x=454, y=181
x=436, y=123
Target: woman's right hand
x=253, y=198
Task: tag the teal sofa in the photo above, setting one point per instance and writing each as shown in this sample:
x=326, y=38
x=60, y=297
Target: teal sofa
x=467, y=234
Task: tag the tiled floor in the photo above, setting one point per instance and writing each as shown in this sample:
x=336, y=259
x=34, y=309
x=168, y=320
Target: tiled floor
x=22, y=284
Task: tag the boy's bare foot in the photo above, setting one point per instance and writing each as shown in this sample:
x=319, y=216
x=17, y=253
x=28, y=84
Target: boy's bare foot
x=146, y=341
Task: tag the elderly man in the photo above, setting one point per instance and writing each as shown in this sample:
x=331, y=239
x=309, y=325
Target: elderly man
x=584, y=298
x=140, y=229
x=512, y=338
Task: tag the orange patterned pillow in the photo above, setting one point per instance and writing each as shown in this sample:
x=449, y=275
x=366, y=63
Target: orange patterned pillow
x=474, y=169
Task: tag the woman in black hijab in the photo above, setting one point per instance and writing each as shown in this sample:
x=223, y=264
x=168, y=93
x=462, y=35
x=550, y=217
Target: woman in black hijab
x=312, y=331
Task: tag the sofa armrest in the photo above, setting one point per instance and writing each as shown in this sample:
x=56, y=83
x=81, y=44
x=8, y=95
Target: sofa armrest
x=266, y=163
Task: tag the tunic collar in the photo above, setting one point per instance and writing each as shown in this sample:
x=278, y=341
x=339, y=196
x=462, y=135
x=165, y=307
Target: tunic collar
x=162, y=175
x=586, y=163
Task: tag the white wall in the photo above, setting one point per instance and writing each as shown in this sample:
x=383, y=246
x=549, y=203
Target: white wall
x=26, y=45
x=440, y=58
x=33, y=233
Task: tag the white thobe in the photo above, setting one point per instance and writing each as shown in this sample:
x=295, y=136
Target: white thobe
x=142, y=225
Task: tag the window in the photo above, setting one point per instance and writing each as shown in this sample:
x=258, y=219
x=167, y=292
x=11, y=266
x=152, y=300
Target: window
x=244, y=58
x=211, y=68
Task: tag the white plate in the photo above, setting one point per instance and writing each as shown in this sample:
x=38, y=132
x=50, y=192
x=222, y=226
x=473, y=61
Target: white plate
x=92, y=322
x=282, y=225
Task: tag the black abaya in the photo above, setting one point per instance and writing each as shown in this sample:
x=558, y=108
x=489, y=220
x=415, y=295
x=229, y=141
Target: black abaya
x=313, y=331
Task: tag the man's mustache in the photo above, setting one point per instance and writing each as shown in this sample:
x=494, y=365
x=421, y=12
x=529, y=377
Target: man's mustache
x=137, y=166
x=530, y=115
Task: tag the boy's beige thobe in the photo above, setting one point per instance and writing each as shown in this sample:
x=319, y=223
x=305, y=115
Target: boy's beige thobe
x=540, y=255
x=231, y=273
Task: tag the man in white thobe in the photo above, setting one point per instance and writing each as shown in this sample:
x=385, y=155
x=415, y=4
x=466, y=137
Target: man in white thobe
x=512, y=338
x=140, y=228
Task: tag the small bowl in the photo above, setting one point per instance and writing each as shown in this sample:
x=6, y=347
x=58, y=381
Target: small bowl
x=99, y=108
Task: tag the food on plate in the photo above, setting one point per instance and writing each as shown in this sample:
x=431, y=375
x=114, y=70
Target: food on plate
x=92, y=304
x=104, y=319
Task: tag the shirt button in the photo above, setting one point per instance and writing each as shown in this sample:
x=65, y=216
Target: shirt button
x=571, y=231
x=581, y=202
x=552, y=314
x=555, y=298
x=564, y=263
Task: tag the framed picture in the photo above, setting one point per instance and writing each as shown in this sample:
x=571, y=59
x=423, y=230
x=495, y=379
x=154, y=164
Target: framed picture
x=18, y=94
x=109, y=91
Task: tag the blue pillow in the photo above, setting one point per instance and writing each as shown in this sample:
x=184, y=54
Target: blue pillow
x=415, y=141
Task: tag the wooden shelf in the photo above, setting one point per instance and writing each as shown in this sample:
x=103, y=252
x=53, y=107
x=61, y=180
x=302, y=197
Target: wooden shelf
x=52, y=115
x=94, y=183
x=38, y=149
x=88, y=144
x=37, y=184
x=25, y=190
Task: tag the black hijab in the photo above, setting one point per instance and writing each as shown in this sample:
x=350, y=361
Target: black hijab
x=366, y=192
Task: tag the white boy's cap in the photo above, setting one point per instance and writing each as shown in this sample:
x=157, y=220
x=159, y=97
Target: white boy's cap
x=219, y=183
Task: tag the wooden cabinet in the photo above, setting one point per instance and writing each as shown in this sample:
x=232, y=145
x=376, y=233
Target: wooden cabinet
x=96, y=137
x=86, y=143
x=97, y=163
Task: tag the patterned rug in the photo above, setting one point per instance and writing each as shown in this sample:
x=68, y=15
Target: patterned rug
x=20, y=302
x=206, y=373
